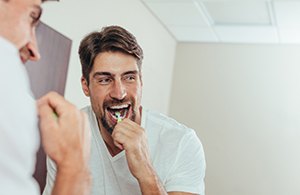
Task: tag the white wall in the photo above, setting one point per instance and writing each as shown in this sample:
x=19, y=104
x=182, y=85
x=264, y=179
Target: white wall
x=76, y=18
x=244, y=102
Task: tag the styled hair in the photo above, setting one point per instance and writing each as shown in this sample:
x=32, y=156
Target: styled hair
x=109, y=39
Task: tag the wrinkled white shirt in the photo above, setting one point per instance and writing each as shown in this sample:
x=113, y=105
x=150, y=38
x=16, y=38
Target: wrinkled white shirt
x=19, y=137
x=176, y=153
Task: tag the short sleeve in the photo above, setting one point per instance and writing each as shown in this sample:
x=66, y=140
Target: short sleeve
x=188, y=171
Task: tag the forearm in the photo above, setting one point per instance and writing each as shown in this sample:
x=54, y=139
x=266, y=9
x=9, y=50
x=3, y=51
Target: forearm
x=72, y=182
x=66, y=140
x=151, y=185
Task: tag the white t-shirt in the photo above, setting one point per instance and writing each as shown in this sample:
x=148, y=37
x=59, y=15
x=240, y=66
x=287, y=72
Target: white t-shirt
x=19, y=137
x=176, y=153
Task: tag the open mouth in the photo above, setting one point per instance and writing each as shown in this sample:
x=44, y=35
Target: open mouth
x=119, y=112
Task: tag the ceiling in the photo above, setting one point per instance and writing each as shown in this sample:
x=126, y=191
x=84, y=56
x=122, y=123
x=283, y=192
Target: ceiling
x=229, y=21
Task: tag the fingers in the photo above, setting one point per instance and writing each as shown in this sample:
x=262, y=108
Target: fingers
x=66, y=138
x=48, y=127
x=56, y=102
x=127, y=134
x=118, y=144
x=46, y=115
x=131, y=136
x=118, y=139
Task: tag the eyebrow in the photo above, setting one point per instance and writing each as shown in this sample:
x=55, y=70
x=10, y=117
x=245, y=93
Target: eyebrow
x=110, y=74
x=101, y=74
x=130, y=72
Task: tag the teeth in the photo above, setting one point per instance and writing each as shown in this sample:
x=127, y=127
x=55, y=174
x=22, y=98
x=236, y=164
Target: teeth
x=119, y=106
x=119, y=112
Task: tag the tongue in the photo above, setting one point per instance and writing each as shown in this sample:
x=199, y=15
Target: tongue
x=118, y=112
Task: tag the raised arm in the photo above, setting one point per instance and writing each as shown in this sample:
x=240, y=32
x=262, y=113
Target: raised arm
x=65, y=136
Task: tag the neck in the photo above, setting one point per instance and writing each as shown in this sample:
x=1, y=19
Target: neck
x=108, y=140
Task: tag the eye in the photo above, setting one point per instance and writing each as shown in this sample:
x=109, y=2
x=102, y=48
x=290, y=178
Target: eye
x=104, y=81
x=130, y=78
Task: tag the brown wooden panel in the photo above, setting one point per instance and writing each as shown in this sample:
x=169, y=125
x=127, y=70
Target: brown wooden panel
x=48, y=74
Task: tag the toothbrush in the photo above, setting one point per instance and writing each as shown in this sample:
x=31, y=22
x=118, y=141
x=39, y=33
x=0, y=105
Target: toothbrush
x=55, y=115
x=118, y=115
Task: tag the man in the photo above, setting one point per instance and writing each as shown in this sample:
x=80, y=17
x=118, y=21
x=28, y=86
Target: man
x=65, y=134
x=134, y=150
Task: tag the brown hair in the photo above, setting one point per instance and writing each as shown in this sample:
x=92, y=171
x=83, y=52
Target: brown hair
x=110, y=38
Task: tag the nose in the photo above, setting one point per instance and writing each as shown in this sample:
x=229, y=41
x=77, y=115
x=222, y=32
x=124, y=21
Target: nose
x=30, y=51
x=118, y=91
x=33, y=49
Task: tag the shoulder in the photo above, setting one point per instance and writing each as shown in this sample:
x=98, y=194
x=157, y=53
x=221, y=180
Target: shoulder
x=91, y=116
x=166, y=123
x=160, y=127
x=88, y=110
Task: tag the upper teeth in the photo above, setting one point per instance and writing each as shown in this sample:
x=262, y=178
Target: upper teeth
x=119, y=106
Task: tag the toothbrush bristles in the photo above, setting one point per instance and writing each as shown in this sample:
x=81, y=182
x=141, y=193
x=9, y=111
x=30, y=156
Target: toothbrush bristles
x=118, y=115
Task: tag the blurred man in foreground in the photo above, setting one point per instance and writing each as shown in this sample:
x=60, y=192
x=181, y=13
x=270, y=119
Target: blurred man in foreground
x=64, y=129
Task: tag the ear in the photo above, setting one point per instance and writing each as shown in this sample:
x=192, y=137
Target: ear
x=85, y=87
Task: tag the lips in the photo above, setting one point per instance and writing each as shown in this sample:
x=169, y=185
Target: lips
x=122, y=110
